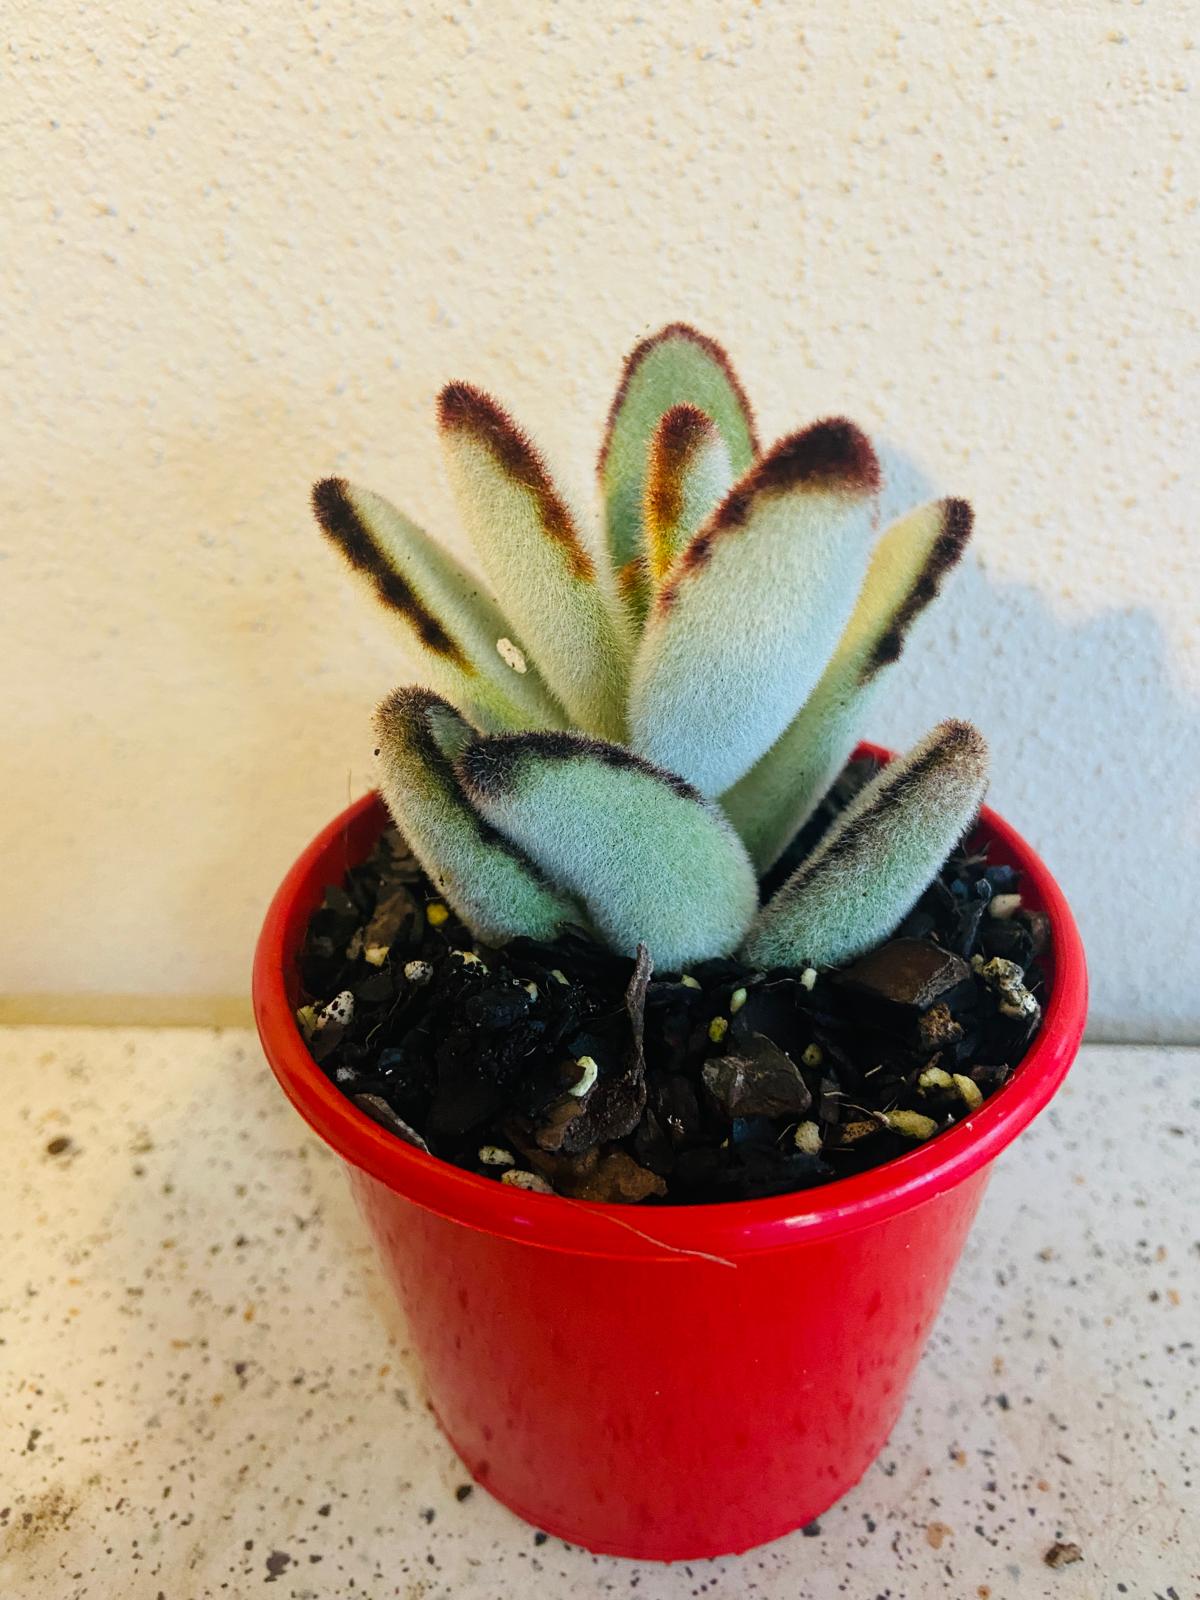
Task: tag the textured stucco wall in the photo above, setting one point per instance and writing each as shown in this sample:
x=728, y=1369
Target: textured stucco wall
x=244, y=245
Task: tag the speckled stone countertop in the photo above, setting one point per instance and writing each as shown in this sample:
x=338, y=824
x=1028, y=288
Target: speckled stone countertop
x=206, y=1388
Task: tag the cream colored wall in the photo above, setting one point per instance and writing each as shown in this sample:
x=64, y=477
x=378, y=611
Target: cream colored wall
x=245, y=244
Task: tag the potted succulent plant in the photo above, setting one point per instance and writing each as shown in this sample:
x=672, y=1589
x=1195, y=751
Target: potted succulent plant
x=668, y=1046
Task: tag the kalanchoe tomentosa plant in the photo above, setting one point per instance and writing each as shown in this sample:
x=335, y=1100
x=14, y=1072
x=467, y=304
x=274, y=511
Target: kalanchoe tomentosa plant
x=629, y=729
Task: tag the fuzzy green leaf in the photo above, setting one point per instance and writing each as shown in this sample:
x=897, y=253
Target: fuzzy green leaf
x=492, y=886
x=653, y=861
x=739, y=633
x=462, y=640
x=781, y=790
x=544, y=576
x=878, y=858
x=689, y=473
x=677, y=366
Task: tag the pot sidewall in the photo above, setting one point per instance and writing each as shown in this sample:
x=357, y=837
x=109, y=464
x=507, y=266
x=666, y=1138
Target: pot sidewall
x=683, y=1381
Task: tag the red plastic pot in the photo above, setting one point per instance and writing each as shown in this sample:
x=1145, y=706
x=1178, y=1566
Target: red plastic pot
x=678, y=1381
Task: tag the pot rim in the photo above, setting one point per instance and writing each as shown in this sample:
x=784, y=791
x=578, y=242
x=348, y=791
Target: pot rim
x=719, y=1231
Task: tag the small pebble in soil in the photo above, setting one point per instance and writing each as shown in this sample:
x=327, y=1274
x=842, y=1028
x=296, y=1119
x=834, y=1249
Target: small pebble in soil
x=905, y=972
x=588, y=1073
x=1003, y=906
x=937, y=1028
x=756, y=1080
x=492, y=1155
x=933, y=1079
x=562, y=1068
x=1008, y=980
x=808, y=1138
x=912, y=1124
x=969, y=1091
x=517, y=1179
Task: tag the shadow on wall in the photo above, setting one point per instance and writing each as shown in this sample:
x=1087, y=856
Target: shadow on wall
x=1092, y=733
x=1095, y=760
x=1092, y=756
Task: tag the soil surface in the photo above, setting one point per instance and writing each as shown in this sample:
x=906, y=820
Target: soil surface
x=561, y=1066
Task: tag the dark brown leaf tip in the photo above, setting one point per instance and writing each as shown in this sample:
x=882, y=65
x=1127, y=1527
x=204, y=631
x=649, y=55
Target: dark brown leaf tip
x=952, y=743
x=338, y=519
x=953, y=749
x=492, y=766
x=674, y=330
x=957, y=522
x=832, y=456
x=406, y=707
x=682, y=432
x=418, y=720
x=462, y=408
x=342, y=525
x=462, y=405
x=956, y=737
x=406, y=718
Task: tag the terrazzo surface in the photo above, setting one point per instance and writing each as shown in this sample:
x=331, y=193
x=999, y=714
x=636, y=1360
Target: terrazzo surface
x=206, y=1389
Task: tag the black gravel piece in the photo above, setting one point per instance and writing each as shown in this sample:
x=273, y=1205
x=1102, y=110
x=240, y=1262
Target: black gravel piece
x=607, y=1081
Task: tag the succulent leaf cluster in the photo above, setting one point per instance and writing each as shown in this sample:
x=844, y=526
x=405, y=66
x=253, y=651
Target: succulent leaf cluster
x=626, y=728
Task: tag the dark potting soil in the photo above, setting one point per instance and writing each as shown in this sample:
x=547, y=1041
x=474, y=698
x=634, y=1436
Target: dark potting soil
x=563, y=1066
